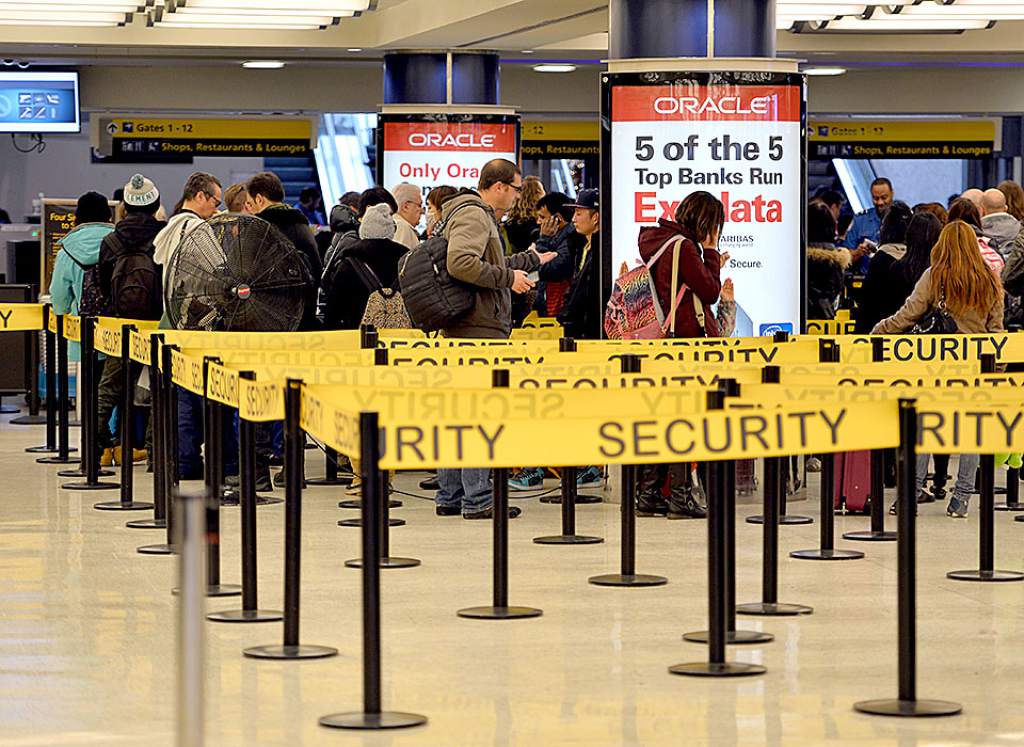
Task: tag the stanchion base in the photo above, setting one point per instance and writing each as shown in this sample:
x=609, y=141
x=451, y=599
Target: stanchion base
x=827, y=554
x=357, y=504
x=373, y=721
x=634, y=579
x=91, y=486
x=568, y=539
x=911, y=708
x=147, y=524
x=985, y=576
x=1018, y=518
x=57, y=460
x=220, y=590
x=1010, y=507
x=783, y=520
x=29, y=420
x=157, y=550
x=302, y=651
x=773, y=609
x=722, y=669
x=341, y=482
x=388, y=562
x=81, y=472
x=49, y=450
x=264, y=501
x=870, y=536
x=499, y=613
x=580, y=499
x=118, y=506
x=246, y=616
x=732, y=637
x=359, y=523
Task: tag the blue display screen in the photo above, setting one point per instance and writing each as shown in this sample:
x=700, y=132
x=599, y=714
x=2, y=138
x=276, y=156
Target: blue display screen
x=39, y=102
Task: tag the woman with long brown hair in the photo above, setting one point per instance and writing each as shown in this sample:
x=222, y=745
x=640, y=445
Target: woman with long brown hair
x=1014, y=195
x=521, y=221
x=960, y=285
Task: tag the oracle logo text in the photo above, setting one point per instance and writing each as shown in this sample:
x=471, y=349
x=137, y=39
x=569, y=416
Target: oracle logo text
x=450, y=140
x=721, y=105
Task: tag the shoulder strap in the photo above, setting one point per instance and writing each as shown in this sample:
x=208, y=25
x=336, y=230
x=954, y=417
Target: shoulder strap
x=366, y=275
x=677, y=296
x=443, y=224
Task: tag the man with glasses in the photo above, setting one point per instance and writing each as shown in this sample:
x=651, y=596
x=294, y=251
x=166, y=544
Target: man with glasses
x=476, y=256
x=410, y=211
x=199, y=202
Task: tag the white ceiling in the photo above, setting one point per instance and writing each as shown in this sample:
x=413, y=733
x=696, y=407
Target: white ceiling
x=574, y=30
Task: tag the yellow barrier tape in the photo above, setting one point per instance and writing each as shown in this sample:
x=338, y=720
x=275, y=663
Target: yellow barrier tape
x=108, y=333
x=928, y=348
x=532, y=321
x=51, y=323
x=831, y=327
x=785, y=395
x=337, y=427
x=21, y=317
x=187, y=371
x=261, y=401
x=538, y=333
x=628, y=439
x=970, y=429
x=219, y=342
x=72, y=328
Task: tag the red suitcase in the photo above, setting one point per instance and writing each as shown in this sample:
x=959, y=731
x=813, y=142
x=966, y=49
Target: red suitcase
x=853, y=481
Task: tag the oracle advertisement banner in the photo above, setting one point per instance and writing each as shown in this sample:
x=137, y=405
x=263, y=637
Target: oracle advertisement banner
x=443, y=149
x=739, y=136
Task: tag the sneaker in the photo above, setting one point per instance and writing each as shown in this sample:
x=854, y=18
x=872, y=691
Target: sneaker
x=651, y=505
x=430, y=483
x=589, y=477
x=926, y=496
x=356, y=488
x=230, y=498
x=488, y=513
x=447, y=510
x=528, y=478
x=813, y=464
x=956, y=509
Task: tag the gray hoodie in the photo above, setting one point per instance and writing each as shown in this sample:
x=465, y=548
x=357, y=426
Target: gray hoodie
x=1001, y=229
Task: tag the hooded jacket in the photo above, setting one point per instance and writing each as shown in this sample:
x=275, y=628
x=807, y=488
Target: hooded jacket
x=168, y=240
x=476, y=256
x=344, y=292
x=83, y=244
x=699, y=270
x=876, y=299
x=135, y=231
x=557, y=274
x=826, y=268
x=1002, y=229
x=581, y=316
x=295, y=228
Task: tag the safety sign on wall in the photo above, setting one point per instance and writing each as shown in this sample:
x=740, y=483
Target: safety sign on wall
x=430, y=150
x=738, y=136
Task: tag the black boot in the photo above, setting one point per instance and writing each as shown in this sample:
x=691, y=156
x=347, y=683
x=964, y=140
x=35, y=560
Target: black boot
x=684, y=500
x=649, y=501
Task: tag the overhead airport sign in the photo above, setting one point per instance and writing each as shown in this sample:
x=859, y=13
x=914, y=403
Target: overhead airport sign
x=140, y=139
x=902, y=138
x=560, y=139
x=430, y=149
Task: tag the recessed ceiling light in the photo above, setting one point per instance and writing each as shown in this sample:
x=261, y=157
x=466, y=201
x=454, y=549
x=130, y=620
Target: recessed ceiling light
x=825, y=71
x=355, y=49
x=554, y=68
x=526, y=51
x=263, y=64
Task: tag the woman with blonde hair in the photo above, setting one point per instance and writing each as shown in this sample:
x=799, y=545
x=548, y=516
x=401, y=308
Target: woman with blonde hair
x=1014, y=198
x=960, y=290
x=521, y=223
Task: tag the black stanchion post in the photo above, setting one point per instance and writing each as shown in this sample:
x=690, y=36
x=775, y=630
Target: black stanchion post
x=90, y=393
x=191, y=641
x=127, y=501
x=294, y=452
x=158, y=455
x=828, y=352
x=907, y=703
x=729, y=388
x=877, y=532
x=166, y=470
x=772, y=375
x=718, y=613
x=387, y=560
x=250, y=611
x=986, y=570
x=371, y=716
x=627, y=575
x=57, y=389
x=500, y=609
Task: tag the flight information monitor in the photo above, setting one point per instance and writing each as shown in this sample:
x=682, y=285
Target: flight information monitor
x=36, y=102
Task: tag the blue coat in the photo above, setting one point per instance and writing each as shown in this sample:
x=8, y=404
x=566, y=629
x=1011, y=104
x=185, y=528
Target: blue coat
x=83, y=243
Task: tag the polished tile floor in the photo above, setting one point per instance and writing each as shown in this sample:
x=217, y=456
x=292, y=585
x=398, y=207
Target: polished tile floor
x=87, y=654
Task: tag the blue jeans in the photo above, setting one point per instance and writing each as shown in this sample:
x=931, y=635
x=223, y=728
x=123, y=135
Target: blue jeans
x=469, y=487
x=190, y=437
x=966, y=471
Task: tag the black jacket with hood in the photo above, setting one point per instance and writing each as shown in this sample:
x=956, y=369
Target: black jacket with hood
x=581, y=317
x=345, y=294
x=295, y=227
x=826, y=270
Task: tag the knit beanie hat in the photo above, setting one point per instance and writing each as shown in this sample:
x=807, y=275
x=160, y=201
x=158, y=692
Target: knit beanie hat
x=377, y=223
x=92, y=208
x=140, y=192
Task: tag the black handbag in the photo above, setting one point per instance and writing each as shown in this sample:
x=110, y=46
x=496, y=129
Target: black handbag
x=937, y=321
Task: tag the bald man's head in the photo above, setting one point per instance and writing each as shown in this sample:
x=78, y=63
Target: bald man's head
x=974, y=195
x=993, y=201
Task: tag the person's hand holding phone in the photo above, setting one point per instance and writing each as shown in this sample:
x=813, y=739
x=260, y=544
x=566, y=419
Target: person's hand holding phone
x=550, y=226
x=521, y=282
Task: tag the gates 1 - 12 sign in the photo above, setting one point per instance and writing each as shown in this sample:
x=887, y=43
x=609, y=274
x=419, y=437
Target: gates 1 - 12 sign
x=677, y=133
x=431, y=150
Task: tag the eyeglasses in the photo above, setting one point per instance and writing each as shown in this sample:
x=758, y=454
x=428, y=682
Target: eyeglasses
x=518, y=188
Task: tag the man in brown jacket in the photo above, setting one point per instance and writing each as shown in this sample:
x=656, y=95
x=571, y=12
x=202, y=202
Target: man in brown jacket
x=476, y=256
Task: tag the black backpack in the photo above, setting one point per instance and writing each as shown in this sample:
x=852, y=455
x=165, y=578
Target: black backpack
x=135, y=285
x=434, y=299
x=92, y=302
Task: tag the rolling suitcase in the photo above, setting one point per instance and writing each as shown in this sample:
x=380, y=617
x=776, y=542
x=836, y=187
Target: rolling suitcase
x=853, y=481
